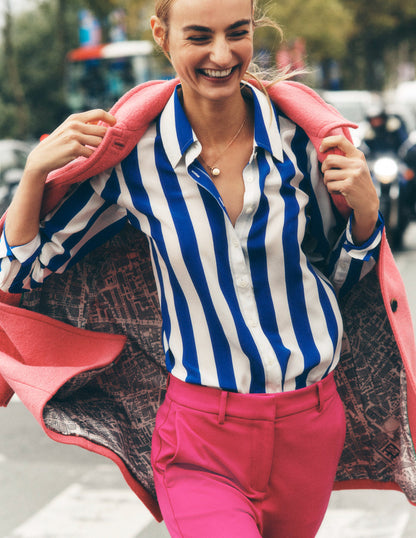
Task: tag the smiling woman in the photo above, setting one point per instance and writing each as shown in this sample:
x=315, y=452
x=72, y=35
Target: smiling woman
x=163, y=9
x=207, y=57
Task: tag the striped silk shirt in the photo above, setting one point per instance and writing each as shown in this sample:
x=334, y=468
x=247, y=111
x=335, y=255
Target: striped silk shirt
x=250, y=307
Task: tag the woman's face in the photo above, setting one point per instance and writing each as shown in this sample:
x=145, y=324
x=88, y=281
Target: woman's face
x=210, y=43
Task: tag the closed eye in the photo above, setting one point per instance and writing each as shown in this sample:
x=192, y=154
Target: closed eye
x=204, y=38
x=198, y=38
x=239, y=34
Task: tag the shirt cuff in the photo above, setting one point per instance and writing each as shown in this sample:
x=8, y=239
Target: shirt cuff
x=21, y=253
x=365, y=250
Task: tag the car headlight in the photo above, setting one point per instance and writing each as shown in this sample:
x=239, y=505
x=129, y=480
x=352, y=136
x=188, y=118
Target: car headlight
x=385, y=170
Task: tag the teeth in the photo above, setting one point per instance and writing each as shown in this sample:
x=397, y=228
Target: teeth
x=217, y=74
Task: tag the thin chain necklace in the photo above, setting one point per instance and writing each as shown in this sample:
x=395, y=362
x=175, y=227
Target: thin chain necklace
x=215, y=171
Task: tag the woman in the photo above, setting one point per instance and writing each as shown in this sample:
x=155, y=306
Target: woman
x=248, y=254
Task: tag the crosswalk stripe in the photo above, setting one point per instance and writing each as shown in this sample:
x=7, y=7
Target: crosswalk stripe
x=356, y=523
x=87, y=513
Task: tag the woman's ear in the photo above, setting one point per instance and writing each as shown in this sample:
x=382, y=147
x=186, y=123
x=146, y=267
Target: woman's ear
x=159, y=33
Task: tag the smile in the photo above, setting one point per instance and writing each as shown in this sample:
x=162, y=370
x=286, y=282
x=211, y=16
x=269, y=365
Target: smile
x=216, y=73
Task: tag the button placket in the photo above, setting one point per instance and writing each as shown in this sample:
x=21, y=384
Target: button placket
x=252, y=191
x=242, y=277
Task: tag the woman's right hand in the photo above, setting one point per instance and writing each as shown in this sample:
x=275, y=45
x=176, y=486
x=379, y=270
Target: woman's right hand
x=79, y=135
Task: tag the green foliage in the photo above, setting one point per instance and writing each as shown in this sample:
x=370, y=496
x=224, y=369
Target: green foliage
x=8, y=114
x=381, y=29
x=325, y=25
x=39, y=63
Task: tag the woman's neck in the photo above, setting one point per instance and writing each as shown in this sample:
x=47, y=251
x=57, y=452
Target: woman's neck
x=215, y=123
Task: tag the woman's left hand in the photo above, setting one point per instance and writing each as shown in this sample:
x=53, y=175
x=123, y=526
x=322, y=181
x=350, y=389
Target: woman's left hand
x=346, y=172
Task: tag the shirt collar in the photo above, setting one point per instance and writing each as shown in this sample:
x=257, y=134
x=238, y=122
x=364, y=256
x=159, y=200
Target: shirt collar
x=266, y=125
x=176, y=131
x=179, y=140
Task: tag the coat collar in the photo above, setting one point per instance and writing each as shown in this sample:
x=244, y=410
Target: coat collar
x=141, y=105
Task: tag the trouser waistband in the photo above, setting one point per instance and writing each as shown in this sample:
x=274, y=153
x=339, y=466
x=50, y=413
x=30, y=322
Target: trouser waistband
x=250, y=406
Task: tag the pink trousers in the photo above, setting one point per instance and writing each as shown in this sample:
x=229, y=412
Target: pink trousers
x=246, y=465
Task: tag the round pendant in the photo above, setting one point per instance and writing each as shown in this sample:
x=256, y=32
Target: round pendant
x=215, y=171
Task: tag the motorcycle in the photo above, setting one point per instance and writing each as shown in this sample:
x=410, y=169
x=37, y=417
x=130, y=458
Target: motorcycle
x=395, y=184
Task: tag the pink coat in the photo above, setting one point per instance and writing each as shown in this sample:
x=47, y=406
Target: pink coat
x=84, y=353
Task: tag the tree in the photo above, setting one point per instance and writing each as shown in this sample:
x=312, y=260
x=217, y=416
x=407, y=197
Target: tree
x=41, y=39
x=380, y=29
x=13, y=97
x=325, y=25
x=369, y=39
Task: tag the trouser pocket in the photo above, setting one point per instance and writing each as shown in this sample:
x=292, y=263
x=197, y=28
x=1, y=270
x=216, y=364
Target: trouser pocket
x=238, y=450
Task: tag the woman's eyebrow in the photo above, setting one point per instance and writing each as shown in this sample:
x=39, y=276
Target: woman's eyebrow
x=242, y=22
x=199, y=28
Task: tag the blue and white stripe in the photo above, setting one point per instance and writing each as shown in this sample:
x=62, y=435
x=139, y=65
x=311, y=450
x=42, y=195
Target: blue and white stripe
x=249, y=307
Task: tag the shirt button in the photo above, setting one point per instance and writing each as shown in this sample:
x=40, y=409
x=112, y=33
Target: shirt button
x=269, y=360
x=236, y=243
x=250, y=179
x=254, y=323
x=242, y=283
x=249, y=209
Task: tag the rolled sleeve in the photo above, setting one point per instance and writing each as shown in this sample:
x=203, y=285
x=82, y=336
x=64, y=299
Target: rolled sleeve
x=364, y=251
x=21, y=253
x=351, y=262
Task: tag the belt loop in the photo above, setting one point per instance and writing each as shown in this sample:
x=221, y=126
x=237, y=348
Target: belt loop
x=320, y=395
x=223, y=405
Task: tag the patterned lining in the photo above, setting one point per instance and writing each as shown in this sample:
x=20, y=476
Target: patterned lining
x=113, y=290
x=378, y=445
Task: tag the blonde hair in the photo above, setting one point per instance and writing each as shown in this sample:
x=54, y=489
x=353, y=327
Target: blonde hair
x=260, y=20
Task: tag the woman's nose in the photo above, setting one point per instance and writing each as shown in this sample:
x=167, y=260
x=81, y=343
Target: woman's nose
x=221, y=52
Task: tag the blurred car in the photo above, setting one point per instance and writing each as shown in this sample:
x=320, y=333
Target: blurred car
x=405, y=93
x=13, y=155
x=353, y=105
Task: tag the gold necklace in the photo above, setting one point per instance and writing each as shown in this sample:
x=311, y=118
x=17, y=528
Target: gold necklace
x=215, y=171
